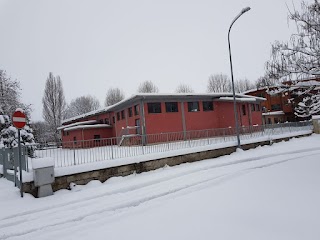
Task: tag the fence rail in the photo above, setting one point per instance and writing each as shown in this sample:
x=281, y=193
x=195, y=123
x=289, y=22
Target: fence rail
x=88, y=151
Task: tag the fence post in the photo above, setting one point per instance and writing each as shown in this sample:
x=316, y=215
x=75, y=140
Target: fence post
x=111, y=148
x=142, y=143
x=74, y=154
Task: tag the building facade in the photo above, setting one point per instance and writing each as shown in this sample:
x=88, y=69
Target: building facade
x=281, y=100
x=147, y=114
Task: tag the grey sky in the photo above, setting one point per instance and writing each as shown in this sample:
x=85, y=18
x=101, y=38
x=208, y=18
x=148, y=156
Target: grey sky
x=97, y=44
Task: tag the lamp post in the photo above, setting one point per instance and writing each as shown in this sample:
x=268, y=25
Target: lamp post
x=233, y=91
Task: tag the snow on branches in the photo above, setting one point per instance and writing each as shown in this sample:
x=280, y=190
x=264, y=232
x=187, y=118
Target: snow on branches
x=9, y=134
x=300, y=56
x=310, y=105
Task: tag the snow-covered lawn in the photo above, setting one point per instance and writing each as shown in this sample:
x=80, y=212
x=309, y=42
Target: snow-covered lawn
x=270, y=192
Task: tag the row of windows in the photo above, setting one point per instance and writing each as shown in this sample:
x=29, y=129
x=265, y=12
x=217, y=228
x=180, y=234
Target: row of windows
x=254, y=108
x=173, y=107
x=130, y=112
x=170, y=107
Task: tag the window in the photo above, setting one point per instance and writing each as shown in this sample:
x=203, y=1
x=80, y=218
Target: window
x=154, y=107
x=75, y=140
x=193, y=107
x=106, y=121
x=136, y=110
x=118, y=116
x=243, y=109
x=269, y=121
x=113, y=119
x=275, y=107
x=122, y=114
x=207, y=106
x=258, y=107
x=96, y=138
x=171, y=107
x=253, y=107
x=130, y=111
x=101, y=121
x=137, y=124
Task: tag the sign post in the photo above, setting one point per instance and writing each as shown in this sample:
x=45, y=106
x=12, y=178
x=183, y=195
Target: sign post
x=19, y=121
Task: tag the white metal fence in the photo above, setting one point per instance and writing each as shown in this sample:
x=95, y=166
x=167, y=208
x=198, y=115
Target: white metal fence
x=88, y=151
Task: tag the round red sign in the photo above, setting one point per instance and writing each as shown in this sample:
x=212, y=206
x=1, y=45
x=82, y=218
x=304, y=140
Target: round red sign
x=19, y=119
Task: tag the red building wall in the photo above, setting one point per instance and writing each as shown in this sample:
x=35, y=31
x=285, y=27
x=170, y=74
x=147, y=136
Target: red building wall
x=164, y=121
x=202, y=119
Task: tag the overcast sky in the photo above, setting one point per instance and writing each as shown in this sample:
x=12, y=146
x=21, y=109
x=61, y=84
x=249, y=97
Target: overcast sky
x=97, y=44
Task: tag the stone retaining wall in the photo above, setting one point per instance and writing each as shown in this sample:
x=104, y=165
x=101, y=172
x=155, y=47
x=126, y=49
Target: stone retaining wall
x=125, y=170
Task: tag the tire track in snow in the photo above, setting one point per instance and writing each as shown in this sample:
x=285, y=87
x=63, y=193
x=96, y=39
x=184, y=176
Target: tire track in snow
x=143, y=199
x=152, y=182
x=145, y=184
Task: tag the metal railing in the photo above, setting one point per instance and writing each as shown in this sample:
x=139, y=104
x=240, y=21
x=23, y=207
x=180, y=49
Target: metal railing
x=88, y=151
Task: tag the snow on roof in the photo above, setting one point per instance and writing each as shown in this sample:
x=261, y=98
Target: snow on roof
x=273, y=113
x=76, y=124
x=238, y=99
x=161, y=95
x=316, y=117
x=2, y=121
x=308, y=83
x=105, y=109
x=87, y=127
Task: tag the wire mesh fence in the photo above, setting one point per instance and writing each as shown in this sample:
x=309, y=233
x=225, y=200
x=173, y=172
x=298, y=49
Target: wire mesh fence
x=88, y=151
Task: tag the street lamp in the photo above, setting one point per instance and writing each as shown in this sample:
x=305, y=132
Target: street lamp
x=233, y=91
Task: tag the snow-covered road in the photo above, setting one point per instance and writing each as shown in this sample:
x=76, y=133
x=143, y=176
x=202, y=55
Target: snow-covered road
x=271, y=192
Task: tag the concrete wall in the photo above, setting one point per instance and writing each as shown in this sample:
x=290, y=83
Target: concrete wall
x=104, y=174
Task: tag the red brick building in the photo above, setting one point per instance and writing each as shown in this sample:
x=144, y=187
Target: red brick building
x=163, y=113
x=281, y=100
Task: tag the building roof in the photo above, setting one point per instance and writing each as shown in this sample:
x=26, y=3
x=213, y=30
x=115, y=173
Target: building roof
x=167, y=97
x=87, y=127
x=77, y=124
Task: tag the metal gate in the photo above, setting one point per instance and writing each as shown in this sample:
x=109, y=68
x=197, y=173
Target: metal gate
x=9, y=159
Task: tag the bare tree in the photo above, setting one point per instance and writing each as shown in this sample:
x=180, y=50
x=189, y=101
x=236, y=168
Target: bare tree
x=41, y=132
x=184, y=88
x=148, y=87
x=300, y=56
x=54, y=104
x=243, y=85
x=265, y=81
x=219, y=83
x=113, y=96
x=82, y=105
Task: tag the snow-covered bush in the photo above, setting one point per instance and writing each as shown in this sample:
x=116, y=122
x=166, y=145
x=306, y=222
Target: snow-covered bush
x=310, y=105
x=9, y=135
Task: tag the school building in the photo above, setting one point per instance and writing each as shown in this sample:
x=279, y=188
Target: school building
x=145, y=114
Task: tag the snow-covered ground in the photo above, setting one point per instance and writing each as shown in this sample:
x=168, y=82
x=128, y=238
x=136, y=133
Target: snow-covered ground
x=270, y=192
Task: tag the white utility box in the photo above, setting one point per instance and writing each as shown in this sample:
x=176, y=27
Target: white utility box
x=43, y=175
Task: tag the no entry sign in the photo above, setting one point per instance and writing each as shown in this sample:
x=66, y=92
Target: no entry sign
x=19, y=119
